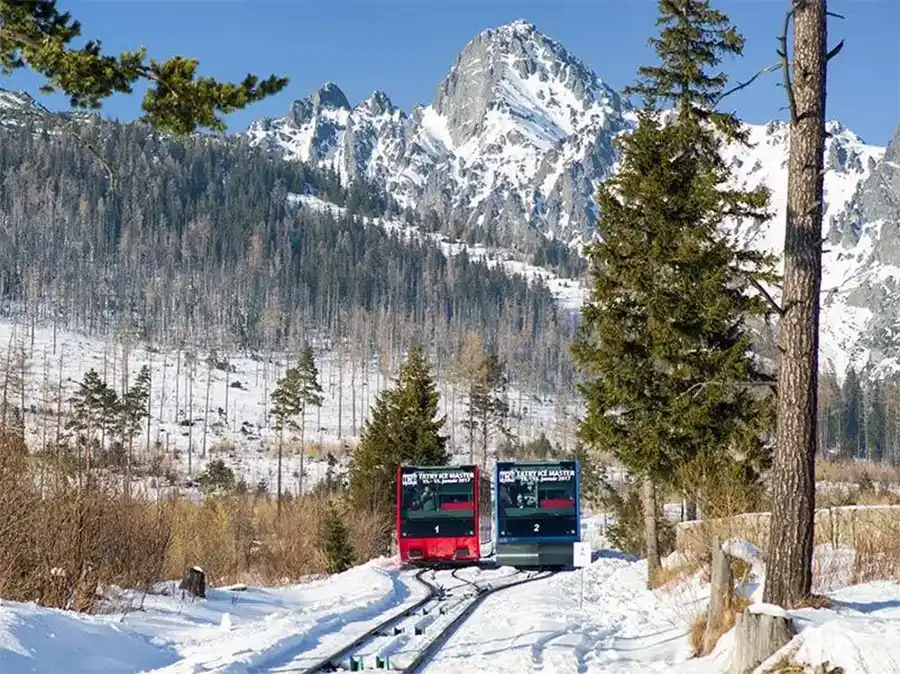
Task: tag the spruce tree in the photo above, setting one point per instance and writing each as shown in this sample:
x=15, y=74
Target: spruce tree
x=336, y=541
x=404, y=429
x=36, y=35
x=309, y=394
x=664, y=340
x=295, y=392
x=133, y=410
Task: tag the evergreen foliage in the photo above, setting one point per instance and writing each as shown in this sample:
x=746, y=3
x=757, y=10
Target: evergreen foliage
x=95, y=409
x=36, y=35
x=216, y=478
x=404, y=429
x=296, y=391
x=134, y=407
x=851, y=415
x=664, y=340
x=336, y=541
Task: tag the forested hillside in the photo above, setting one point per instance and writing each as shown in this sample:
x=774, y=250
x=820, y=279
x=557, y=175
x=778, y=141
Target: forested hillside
x=198, y=242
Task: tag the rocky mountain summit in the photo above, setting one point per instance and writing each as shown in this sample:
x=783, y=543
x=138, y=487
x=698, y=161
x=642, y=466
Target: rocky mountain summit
x=520, y=132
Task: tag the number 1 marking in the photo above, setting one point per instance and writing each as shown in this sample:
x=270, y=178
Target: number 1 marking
x=437, y=528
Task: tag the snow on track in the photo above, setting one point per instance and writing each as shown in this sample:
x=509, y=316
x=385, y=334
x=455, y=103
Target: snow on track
x=622, y=628
x=539, y=627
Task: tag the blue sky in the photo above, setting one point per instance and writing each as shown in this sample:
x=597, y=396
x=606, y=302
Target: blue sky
x=405, y=47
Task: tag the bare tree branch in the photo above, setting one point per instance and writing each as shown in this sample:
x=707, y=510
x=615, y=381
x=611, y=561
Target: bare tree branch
x=743, y=85
x=834, y=52
x=785, y=63
x=762, y=291
x=767, y=382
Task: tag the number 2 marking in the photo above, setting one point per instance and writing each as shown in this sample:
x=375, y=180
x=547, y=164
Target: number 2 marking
x=537, y=527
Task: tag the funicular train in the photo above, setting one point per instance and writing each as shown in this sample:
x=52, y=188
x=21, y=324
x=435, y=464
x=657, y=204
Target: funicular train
x=440, y=513
x=443, y=513
x=537, y=513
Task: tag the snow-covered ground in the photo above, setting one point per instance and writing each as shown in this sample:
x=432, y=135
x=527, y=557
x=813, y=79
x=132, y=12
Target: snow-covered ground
x=618, y=627
x=236, y=419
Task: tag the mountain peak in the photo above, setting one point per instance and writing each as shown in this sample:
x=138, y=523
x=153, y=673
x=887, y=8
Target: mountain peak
x=378, y=103
x=515, y=70
x=519, y=26
x=330, y=95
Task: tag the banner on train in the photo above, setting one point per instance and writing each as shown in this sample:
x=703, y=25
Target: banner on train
x=448, y=477
x=526, y=475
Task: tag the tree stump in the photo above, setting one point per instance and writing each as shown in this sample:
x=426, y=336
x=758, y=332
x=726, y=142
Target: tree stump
x=758, y=635
x=721, y=596
x=194, y=582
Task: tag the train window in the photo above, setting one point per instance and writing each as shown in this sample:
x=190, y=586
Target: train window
x=438, y=502
x=537, y=500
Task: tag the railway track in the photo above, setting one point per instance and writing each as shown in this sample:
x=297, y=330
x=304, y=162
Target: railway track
x=409, y=639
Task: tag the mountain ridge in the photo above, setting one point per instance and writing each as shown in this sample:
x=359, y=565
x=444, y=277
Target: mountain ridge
x=520, y=132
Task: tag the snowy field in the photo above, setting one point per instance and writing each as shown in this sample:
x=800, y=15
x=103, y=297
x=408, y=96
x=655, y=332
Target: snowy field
x=620, y=627
x=199, y=412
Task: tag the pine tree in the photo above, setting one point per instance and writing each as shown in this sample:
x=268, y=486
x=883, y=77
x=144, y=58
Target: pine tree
x=309, y=394
x=404, y=429
x=851, y=415
x=336, y=541
x=294, y=393
x=133, y=409
x=37, y=36
x=877, y=423
x=95, y=408
x=664, y=339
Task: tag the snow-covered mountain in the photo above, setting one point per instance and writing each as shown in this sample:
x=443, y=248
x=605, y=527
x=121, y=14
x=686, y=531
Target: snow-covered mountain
x=519, y=134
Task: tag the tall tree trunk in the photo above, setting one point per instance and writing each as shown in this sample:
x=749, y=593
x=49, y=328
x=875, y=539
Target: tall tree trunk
x=59, y=402
x=353, y=392
x=278, y=488
x=651, y=535
x=227, y=385
x=177, y=383
x=340, y=397
x=302, y=445
x=209, y=372
x=789, y=563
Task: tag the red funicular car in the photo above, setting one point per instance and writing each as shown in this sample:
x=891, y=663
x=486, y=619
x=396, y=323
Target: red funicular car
x=438, y=514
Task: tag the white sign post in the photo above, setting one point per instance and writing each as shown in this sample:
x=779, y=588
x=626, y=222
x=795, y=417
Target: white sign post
x=581, y=557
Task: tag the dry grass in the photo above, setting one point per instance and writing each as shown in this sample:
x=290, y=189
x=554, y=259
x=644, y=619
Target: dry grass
x=64, y=537
x=877, y=554
x=815, y=601
x=856, y=472
x=683, y=570
x=739, y=604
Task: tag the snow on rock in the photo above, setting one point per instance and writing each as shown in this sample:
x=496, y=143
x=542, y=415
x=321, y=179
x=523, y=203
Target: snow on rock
x=520, y=133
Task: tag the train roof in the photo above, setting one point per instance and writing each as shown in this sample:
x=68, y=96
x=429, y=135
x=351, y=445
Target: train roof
x=452, y=467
